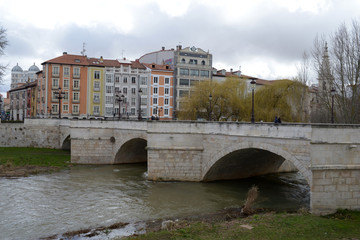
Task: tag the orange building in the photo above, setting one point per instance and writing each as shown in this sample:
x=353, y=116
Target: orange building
x=161, y=91
x=68, y=75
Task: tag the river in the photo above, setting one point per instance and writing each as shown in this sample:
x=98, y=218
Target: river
x=91, y=196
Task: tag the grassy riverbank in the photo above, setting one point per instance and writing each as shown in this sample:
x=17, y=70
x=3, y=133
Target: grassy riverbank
x=16, y=162
x=342, y=225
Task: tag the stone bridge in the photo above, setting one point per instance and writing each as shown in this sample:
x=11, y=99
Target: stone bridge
x=327, y=156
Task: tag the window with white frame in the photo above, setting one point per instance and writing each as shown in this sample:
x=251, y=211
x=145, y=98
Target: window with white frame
x=154, y=111
x=109, y=110
x=124, y=90
x=133, y=101
x=54, y=108
x=66, y=96
x=117, y=78
x=109, y=89
x=96, y=98
x=133, y=90
x=155, y=90
x=76, y=96
x=54, y=96
x=109, y=78
x=55, y=70
x=96, y=85
x=55, y=82
x=76, y=84
x=65, y=108
x=166, y=101
x=76, y=72
x=132, y=111
x=155, y=101
x=133, y=79
x=167, y=80
x=166, y=112
x=66, y=71
x=96, y=110
x=167, y=91
x=156, y=80
x=66, y=83
x=75, y=108
x=125, y=80
x=143, y=81
x=109, y=99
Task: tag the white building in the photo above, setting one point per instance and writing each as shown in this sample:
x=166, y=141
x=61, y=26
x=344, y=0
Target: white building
x=19, y=76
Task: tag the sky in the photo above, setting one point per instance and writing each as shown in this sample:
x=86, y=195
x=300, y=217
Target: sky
x=263, y=38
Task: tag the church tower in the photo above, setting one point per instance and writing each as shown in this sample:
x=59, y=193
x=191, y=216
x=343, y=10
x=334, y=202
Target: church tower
x=325, y=77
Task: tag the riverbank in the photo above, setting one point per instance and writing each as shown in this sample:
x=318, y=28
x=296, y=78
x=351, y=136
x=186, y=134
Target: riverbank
x=233, y=224
x=22, y=162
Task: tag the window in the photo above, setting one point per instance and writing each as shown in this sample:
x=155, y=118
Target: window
x=154, y=111
x=167, y=91
x=76, y=72
x=183, y=60
x=166, y=112
x=96, y=85
x=156, y=80
x=66, y=96
x=125, y=79
x=65, y=108
x=109, y=111
x=96, y=110
x=194, y=72
x=54, y=108
x=124, y=90
x=204, y=73
x=75, y=108
x=54, y=96
x=109, y=78
x=183, y=93
x=167, y=80
x=76, y=84
x=66, y=84
x=132, y=111
x=155, y=90
x=109, y=99
x=193, y=61
x=133, y=90
x=66, y=71
x=166, y=101
x=117, y=79
x=109, y=89
x=133, y=101
x=184, y=71
x=133, y=79
x=97, y=74
x=96, y=98
x=193, y=82
x=55, y=83
x=144, y=91
x=155, y=101
x=184, y=82
x=76, y=96
x=202, y=62
x=55, y=70
x=143, y=81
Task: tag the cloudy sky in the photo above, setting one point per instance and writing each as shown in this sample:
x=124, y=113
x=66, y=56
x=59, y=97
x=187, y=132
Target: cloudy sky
x=265, y=37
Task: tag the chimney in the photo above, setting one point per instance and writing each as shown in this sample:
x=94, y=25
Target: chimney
x=231, y=70
x=163, y=48
x=64, y=53
x=101, y=59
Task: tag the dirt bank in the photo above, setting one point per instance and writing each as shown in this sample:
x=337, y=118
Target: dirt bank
x=9, y=170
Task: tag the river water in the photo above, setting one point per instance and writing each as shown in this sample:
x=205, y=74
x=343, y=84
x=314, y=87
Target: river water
x=93, y=196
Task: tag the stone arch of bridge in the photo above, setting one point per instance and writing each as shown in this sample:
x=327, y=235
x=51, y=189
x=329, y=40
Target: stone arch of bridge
x=66, y=143
x=132, y=151
x=277, y=156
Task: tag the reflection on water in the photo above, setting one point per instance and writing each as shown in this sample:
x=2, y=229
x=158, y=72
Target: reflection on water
x=91, y=196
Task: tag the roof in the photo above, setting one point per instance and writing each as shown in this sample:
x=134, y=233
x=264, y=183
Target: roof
x=69, y=59
x=158, y=67
x=24, y=86
x=137, y=64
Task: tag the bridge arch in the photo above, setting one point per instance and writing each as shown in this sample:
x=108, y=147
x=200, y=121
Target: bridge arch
x=276, y=154
x=66, y=143
x=132, y=151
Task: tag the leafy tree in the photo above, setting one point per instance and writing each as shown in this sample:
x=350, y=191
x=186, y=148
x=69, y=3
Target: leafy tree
x=226, y=102
x=282, y=98
x=3, y=43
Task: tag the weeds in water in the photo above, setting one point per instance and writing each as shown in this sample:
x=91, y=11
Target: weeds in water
x=252, y=195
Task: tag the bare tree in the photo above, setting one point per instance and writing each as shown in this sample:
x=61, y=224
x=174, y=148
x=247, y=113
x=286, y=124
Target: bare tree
x=3, y=43
x=338, y=68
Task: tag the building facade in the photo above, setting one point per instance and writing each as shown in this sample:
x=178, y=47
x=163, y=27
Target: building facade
x=18, y=76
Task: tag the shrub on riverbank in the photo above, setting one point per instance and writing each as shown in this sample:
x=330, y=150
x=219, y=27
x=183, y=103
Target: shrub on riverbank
x=342, y=225
x=15, y=162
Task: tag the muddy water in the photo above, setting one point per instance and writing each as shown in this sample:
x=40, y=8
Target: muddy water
x=91, y=196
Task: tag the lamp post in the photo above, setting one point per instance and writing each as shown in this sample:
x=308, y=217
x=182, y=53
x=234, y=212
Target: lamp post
x=1, y=101
x=119, y=98
x=139, y=111
x=210, y=111
x=59, y=96
x=253, y=85
x=333, y=92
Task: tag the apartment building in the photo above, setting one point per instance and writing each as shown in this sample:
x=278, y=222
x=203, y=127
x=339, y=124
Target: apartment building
x=20, y=76
x=22, y=101
x=162, y=91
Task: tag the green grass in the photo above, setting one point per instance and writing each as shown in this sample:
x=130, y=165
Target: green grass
x=34, y=157
x=342, y=225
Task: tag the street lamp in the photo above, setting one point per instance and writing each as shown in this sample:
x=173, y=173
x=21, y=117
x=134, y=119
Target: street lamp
x=1, y=101
x=119, y=99
x=333, y=92
x=210, y=111
x=59, y=96
x=253, y=85
x=139, y=111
